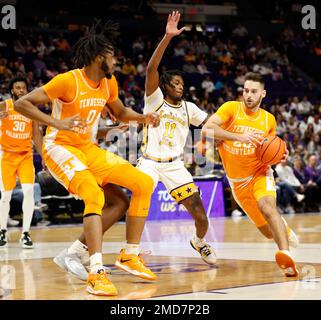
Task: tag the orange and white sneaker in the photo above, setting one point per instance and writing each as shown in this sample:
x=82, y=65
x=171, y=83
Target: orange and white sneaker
x=286, y=263
x=99, y=284
x=135, y=265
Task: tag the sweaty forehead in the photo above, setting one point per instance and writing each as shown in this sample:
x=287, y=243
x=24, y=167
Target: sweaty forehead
x=252, y=85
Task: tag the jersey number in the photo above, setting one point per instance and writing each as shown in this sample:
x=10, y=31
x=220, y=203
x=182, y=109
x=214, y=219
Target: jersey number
x=91, y=116
x=169, y=129
x=239, y=144
x=19, y=126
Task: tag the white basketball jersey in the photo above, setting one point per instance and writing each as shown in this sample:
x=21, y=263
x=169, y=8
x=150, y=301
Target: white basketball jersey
x=169, y=138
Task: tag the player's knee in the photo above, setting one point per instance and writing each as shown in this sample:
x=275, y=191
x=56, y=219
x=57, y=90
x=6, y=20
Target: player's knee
x=144, y=185
x=94, y=200
x=267, y=208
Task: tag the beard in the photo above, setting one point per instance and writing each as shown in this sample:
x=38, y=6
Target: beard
x=253, y=104
x=104, y=67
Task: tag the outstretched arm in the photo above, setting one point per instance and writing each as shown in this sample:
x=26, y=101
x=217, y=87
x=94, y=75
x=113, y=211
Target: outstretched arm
x=152, y=77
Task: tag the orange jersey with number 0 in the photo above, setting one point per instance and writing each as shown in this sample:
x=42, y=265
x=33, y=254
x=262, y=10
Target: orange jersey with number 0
x=73, y=93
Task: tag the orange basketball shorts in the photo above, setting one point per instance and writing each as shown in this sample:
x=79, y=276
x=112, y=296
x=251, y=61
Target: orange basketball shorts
x=13, y=164
x=249, y=191
x=94, y=167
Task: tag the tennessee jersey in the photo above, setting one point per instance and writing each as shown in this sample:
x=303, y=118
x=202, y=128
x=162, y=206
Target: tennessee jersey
x=15, y=131
x=169, y=138
x=74, y=93
x=239, y=158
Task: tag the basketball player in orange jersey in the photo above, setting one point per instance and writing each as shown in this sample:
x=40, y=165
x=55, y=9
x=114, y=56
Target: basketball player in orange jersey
x=241, y=126
x=16, y=159
x=78, y=97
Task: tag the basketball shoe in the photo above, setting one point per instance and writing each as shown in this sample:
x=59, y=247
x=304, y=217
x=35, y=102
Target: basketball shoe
x=26, y=241
x=205, y=250
x=286, y=263
x=135, y=265
x=98, y=284
x=71, y=263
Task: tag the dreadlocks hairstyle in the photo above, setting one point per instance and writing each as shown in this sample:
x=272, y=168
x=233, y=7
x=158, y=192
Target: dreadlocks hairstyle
x=166, y=79
x=17, y=79
x=100, y=39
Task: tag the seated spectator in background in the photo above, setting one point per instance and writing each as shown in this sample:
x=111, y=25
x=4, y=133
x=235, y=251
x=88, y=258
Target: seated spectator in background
x=289, y=186
x=131, y=85
x=304, y=107
x=189, y=67
x=316, y=122
x=190, y=56
x=128, y=68
x=202, y=68
x=312, y=174
x=208, y=86
x=311, y=191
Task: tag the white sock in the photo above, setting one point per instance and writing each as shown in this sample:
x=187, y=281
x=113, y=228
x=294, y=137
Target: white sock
x=4, y=208
x=199, y=242
x=78, y=247
x=132, y=249
x=96, y=262
x=28, y=205
x=287, y=252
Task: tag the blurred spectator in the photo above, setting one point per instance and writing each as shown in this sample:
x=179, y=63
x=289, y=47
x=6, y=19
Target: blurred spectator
x=129, y=68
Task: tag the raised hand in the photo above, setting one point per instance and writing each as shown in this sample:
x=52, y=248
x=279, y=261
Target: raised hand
x=172, y=22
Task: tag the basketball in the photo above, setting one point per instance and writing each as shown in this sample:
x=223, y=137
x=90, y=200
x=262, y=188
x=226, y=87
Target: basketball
x=271, y=150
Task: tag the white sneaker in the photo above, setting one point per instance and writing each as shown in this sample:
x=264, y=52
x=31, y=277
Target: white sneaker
x=300, y=197
x=236, y=213
x=25, y=240
x=74, y=264
x=206, y=252
x=12, y=223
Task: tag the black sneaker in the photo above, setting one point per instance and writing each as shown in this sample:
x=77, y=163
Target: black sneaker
x=3, y=238
x=26, y=241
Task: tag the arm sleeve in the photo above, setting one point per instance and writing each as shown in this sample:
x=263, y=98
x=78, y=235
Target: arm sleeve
x=113, y=89
x=154, y=101
x=62, y=86
x=197, y=116
x=226, y=112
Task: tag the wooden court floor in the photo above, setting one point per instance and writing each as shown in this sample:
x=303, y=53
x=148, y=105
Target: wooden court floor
x=245, y=262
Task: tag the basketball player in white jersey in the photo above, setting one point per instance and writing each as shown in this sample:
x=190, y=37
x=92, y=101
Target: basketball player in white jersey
x=163, y=146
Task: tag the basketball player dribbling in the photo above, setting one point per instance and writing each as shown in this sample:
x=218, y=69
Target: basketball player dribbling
x=78, y=97
x=240, y=126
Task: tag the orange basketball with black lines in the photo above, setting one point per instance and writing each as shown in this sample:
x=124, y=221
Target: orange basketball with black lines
x=271, y=150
